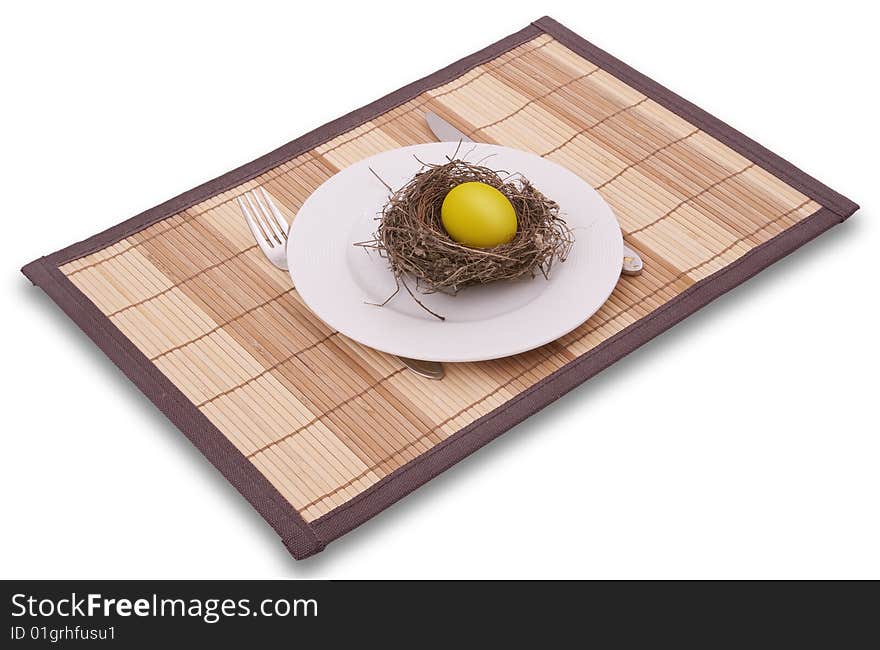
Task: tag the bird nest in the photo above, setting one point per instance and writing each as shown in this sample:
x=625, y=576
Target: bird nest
x=412, y=238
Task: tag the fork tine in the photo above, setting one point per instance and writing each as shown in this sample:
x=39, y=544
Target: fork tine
x=268, y=235
x=274, y=251
x=252, y=224
x=279, y=218
x=269, y=220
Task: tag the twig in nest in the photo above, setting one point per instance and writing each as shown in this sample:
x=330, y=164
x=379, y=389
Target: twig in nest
x=412, y=238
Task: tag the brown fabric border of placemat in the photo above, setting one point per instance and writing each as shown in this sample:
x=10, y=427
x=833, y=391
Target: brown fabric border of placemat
x=303, y=539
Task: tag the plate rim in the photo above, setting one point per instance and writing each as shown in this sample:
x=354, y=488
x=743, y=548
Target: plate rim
x=452, y=357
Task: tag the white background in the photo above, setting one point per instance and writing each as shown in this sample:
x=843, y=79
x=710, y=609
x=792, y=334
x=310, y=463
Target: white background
x=742, y=443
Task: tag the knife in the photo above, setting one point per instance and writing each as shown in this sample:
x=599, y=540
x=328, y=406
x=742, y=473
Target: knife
x=445, y=132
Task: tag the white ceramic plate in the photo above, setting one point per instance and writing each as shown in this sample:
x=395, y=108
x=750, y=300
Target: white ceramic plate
x=337, y=280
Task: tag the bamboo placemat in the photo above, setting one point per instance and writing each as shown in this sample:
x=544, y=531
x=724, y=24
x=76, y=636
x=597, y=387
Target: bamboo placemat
x=320, y=433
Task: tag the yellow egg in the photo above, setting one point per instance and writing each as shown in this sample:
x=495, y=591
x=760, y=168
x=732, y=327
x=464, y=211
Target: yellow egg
x=478, y=215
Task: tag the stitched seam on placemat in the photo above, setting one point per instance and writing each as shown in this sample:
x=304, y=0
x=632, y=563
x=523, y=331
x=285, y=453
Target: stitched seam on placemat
x=221, y=325
x=532, y=101
x=693, y=197
x=589, y=128
x=317, y=418
x=641, y=161
x=183, y=281
x=266, y=371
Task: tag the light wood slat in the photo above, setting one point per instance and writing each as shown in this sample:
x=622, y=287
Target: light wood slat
x=324, y=418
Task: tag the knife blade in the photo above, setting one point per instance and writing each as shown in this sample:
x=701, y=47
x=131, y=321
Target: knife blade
x=446, y=132
x=443, y=130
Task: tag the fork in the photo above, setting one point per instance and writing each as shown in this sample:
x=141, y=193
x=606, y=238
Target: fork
x=270, y=229
x=267, y=224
